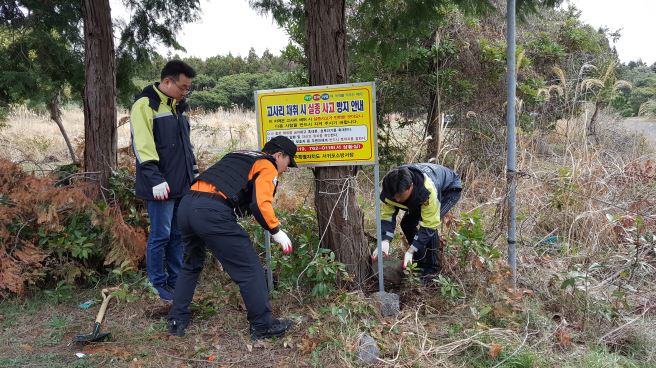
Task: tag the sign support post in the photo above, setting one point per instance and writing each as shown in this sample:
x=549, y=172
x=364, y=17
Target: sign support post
x=381, y=279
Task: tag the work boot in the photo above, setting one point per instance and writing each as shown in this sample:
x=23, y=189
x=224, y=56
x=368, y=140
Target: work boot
x=176, y=328
x=277, y=328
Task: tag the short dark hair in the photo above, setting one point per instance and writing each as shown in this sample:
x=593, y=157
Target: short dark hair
x=174, y=68
x=397, y=181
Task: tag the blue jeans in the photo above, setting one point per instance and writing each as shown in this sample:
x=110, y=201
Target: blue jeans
x=164, y=247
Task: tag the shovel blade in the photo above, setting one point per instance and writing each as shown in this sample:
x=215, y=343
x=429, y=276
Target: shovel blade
x=91, y=337
x=96, y=335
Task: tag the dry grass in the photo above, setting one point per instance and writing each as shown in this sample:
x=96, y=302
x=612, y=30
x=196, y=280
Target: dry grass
x=34, y=137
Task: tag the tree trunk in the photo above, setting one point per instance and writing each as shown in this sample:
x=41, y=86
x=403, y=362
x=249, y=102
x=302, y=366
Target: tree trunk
x=339, y=216
x=433, y=127
x=100, y=133
x=433, y=121
x=592, y=126
x=55, y=115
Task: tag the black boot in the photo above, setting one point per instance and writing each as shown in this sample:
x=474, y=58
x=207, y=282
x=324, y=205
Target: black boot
x=278, y=327
x=177, y=328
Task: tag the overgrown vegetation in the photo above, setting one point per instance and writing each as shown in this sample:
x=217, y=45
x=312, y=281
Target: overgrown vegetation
x=53, y=235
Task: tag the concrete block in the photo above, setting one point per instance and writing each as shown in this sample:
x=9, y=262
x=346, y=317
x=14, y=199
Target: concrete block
x=388, y=302
x=368, y=351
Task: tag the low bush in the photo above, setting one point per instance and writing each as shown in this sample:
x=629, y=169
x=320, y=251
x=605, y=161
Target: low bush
x=51, y=236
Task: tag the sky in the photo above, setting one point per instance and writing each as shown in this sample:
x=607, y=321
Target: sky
x=634, y=17
x=232, y=26
x=225, y=26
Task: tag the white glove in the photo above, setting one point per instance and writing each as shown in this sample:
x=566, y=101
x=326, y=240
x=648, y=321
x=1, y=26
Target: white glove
x=161, y=191
x=281, y=238
x=407, y=257
x=385, y=245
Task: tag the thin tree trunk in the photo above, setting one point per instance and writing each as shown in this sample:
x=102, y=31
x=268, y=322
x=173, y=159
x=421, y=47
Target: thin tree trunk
x=592, y=126
x=339, y=216
x=433, y=122
x=55, y=115
x=433, y=127
x=100, y=133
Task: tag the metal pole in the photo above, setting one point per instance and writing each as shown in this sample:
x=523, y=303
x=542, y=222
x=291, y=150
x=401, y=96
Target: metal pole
x=381, y=279
x=267, y=246
x=510, y=121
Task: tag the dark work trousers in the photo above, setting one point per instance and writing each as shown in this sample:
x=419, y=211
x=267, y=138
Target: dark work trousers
x=428, y=262
x=208, y=223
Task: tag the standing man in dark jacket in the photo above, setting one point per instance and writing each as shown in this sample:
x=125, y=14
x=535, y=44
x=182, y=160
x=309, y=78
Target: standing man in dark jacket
x=166, y=166
x=426, y=192
x=241, y=183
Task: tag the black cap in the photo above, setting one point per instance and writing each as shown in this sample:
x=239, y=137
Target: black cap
x=282, y=144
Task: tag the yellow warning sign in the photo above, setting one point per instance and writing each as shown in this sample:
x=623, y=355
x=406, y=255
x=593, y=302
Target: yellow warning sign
x=331, y=125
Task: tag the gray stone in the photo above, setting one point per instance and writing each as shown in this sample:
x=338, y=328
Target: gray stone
x=388, y=302
x=368, y=351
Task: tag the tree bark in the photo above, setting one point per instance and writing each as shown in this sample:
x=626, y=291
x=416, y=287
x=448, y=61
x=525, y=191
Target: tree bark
x=55, y=115
x=592, y=126
x=433, y=121
x=433, y=127
x=100, y=133
x=339, y=216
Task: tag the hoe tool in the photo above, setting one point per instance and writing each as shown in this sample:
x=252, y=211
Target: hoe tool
x=95, y=334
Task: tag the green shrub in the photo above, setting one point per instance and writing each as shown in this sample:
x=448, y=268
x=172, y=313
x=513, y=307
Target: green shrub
x=121, y=187
x=308, y=266
x=470, y=237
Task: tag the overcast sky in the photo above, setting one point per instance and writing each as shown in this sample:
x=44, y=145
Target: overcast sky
x=232, y=26
x=225, y=26
x=636, y=18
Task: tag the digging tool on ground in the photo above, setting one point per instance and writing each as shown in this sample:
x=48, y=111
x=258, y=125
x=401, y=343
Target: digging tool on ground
x=95, y=334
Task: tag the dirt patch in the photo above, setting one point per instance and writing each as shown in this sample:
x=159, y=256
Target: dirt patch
x=41, y=335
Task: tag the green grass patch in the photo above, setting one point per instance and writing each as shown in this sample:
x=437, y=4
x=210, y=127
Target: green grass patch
x=605, y=359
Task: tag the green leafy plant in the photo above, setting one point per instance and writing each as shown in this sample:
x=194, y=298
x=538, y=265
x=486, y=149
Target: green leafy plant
x=470, y=238
x=60, y=293
x=78, y=239
x=309, y=265
x=125, y=272
x=66, y=173
x=411, y=274
x=450, y=289
x=579, y=277
x=323, y=272
x=480, y=313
